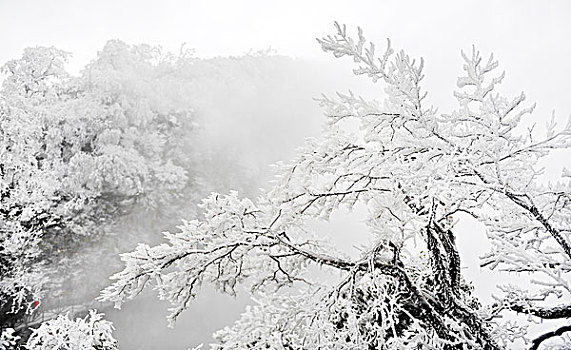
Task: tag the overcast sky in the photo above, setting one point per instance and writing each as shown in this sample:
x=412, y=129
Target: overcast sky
x=531, y=38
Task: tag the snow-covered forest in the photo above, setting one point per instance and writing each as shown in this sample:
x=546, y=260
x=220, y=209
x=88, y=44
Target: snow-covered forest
x=260, y=201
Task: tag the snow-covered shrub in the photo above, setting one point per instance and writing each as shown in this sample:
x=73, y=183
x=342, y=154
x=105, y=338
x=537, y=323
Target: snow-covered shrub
x=62, y=333
x=8, y=340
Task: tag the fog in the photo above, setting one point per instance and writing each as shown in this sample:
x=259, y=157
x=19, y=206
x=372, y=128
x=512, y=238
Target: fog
x=247, y=125
x=248, y=122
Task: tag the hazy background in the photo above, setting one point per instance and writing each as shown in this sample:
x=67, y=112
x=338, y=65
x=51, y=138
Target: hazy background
x=265, y=124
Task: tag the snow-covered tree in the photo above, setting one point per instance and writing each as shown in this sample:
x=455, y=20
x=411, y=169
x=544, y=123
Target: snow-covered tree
x=416, y=171
x=76, y=153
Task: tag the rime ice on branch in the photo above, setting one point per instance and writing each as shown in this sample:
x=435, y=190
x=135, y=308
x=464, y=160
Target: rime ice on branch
x=414, y=170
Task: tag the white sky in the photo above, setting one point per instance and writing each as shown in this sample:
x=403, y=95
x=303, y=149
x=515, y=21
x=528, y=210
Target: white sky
x=531, y=38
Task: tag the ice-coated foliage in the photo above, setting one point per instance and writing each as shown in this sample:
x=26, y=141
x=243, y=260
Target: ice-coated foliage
x=62, y=333
x=416, y=171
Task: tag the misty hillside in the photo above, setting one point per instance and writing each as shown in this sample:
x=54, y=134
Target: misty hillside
x=104, y=136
